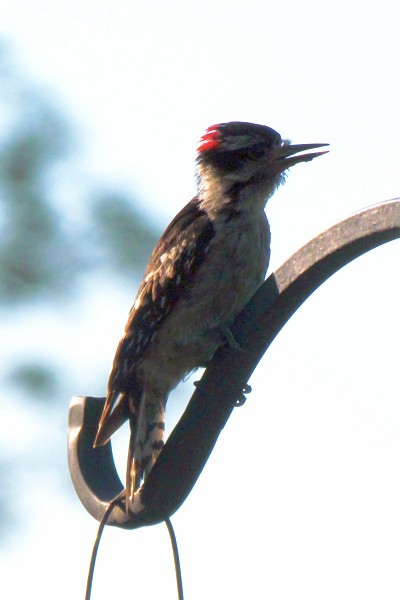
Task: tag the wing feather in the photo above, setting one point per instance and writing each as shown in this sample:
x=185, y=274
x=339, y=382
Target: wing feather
x=171, y=270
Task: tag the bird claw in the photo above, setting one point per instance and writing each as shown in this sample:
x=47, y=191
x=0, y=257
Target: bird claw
x=230, y=339
x=242, y=399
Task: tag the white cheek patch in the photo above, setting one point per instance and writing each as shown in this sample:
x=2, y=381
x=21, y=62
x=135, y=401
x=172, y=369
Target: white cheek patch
x=237, y=142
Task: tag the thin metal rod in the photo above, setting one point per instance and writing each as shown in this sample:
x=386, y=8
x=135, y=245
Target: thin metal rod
x=175, y=551
x=96, y=545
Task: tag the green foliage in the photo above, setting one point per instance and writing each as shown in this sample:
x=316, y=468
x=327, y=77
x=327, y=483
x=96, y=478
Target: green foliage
x=34, y=379
x=38, y=257
x=123, y=234
x=43, y=257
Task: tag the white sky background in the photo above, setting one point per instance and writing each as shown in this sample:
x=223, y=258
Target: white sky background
x=301, y=496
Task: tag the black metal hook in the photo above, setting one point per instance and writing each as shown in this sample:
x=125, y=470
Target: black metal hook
x=187, y=449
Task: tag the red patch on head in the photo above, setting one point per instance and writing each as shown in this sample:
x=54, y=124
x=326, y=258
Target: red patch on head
x=210, y=139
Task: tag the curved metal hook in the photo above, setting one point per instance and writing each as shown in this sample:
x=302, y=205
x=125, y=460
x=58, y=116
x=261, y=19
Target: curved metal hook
x=187, y=449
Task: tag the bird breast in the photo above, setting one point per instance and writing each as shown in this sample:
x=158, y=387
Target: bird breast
x=232, y=270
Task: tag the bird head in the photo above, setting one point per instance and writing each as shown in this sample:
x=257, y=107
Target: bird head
x=245, y=158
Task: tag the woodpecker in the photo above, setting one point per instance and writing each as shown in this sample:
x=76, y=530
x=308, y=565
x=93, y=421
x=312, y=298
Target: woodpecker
x=206, y=266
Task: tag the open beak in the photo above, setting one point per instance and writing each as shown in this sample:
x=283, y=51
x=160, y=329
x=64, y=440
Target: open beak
x=284, y=155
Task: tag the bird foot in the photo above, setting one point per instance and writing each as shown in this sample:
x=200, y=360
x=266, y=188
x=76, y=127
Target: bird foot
x=242, y=399
x=230, y=339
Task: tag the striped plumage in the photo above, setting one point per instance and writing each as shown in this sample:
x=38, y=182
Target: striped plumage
x=208, y=263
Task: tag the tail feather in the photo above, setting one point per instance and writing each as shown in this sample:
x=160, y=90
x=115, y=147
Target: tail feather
x=111, y=420
x=146, y=443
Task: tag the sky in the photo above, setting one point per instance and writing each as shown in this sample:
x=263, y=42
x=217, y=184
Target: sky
x=300, y=496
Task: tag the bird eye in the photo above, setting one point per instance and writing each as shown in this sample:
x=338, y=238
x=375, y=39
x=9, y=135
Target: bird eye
x=256, y=152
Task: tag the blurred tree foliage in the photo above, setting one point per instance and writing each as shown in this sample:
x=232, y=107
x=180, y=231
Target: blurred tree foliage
x=39, y=256
x=43, y=257
x=124, y=237
x=34, y=380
